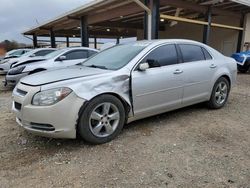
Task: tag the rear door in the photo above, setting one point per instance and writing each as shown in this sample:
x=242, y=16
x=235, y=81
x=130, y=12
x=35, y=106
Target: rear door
x=158, y=89
x=198, y=69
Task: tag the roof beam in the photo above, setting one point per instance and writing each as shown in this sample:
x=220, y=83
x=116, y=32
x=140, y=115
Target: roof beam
x=168, y=17
x=197, y=8
x=125, y=10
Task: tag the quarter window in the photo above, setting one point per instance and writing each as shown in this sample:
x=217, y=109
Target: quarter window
x=91, y=52
x=79, y=54
x=207, y=54
x=164, y=55
x=191, y=53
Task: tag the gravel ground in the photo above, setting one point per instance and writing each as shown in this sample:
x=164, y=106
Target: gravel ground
x=191, y=147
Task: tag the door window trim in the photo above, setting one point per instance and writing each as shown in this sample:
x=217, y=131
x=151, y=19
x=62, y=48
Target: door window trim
x=135, y=68
x=66, y=53
x=202, y=49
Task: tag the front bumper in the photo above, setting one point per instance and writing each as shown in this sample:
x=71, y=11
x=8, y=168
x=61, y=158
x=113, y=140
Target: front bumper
x=56, y=121
x=12, y=80
x=3, y=72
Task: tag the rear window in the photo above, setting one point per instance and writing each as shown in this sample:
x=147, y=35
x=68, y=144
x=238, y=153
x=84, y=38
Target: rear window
x=191, y=53
x=43, y=52
x=77, y=54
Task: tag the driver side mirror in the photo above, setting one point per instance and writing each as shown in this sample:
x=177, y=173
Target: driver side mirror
x=62, y=58
x=143, y=66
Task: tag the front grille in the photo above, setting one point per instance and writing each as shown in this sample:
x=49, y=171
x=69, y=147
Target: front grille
x=42, y=127
x=18, y=106
x=21, y=92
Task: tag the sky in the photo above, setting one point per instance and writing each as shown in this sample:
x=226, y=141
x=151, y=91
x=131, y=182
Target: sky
x=17, y=16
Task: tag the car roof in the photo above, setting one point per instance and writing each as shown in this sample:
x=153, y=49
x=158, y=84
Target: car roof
x=80, y=48
x=161, y=41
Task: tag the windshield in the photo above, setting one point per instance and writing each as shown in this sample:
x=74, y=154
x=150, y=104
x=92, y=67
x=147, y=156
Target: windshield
x=15, y=53
x=116, y=57
x=54, y=54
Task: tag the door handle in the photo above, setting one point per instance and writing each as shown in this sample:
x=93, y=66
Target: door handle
x=178, y=71
x=212, y=66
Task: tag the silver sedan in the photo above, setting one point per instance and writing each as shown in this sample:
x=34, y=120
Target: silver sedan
x=122, y=84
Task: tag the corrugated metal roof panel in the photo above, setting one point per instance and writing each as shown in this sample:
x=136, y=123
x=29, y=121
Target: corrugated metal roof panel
x=244, y=2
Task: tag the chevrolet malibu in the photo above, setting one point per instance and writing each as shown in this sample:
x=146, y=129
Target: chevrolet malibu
x=122, y=84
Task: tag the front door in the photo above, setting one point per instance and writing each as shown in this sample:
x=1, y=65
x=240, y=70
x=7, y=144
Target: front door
x=73, y=57
x=159, y=88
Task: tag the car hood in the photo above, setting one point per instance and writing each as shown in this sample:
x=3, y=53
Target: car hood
x=28, y=60
x=63, y=74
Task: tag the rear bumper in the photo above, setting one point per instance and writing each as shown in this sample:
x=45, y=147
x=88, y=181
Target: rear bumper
x=12, y=80
x=55, y=121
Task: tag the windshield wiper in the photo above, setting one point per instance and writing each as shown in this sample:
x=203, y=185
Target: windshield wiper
x=97, y=66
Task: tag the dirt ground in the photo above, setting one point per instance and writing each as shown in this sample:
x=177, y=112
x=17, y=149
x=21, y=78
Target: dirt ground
x=191, y=147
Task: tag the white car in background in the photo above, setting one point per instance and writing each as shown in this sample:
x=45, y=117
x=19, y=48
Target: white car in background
x=14, y=53
x=58, y=59
x=17, y=52
x=7, y=63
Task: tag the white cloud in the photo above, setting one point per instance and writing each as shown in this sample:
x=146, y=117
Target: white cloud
x=19, y=15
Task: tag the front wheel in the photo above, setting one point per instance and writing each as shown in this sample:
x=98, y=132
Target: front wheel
x=244, y=68
x=102, y=119
x=219, y=94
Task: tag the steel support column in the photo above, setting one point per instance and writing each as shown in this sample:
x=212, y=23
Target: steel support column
x=52, y=39
x=240, y=36
x=207, y=28
x=95, y=42
x=145, y=21
x=118, y=40
x=67, y=41
x=155, y=8
x=35, y=41
x=84, y=31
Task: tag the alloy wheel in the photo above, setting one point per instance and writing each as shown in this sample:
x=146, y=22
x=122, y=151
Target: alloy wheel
x=104, y=119
x=221, y=93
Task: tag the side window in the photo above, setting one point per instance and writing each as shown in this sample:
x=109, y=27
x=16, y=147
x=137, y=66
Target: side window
x=43, y=52
x=78, y=54
x=191, y=53
x=164, y=55
x=207, y=54
x=91, y=53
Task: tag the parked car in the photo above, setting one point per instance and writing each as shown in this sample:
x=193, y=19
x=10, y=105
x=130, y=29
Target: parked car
x=17, y=52
x=243, y=61
x=122, y=84
x=9, y=62
x=58, y=59
x=14, y=54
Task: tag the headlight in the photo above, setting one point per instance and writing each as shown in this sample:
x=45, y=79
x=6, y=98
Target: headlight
x=50, y=97
x=4, y=61
x=16, y=70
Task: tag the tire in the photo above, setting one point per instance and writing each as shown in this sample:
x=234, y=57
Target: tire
x=243, y=69
x=97, y=125
x=218, y=93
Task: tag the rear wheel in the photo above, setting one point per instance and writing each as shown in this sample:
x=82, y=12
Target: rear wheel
x=102, y=119
x=220, y=93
